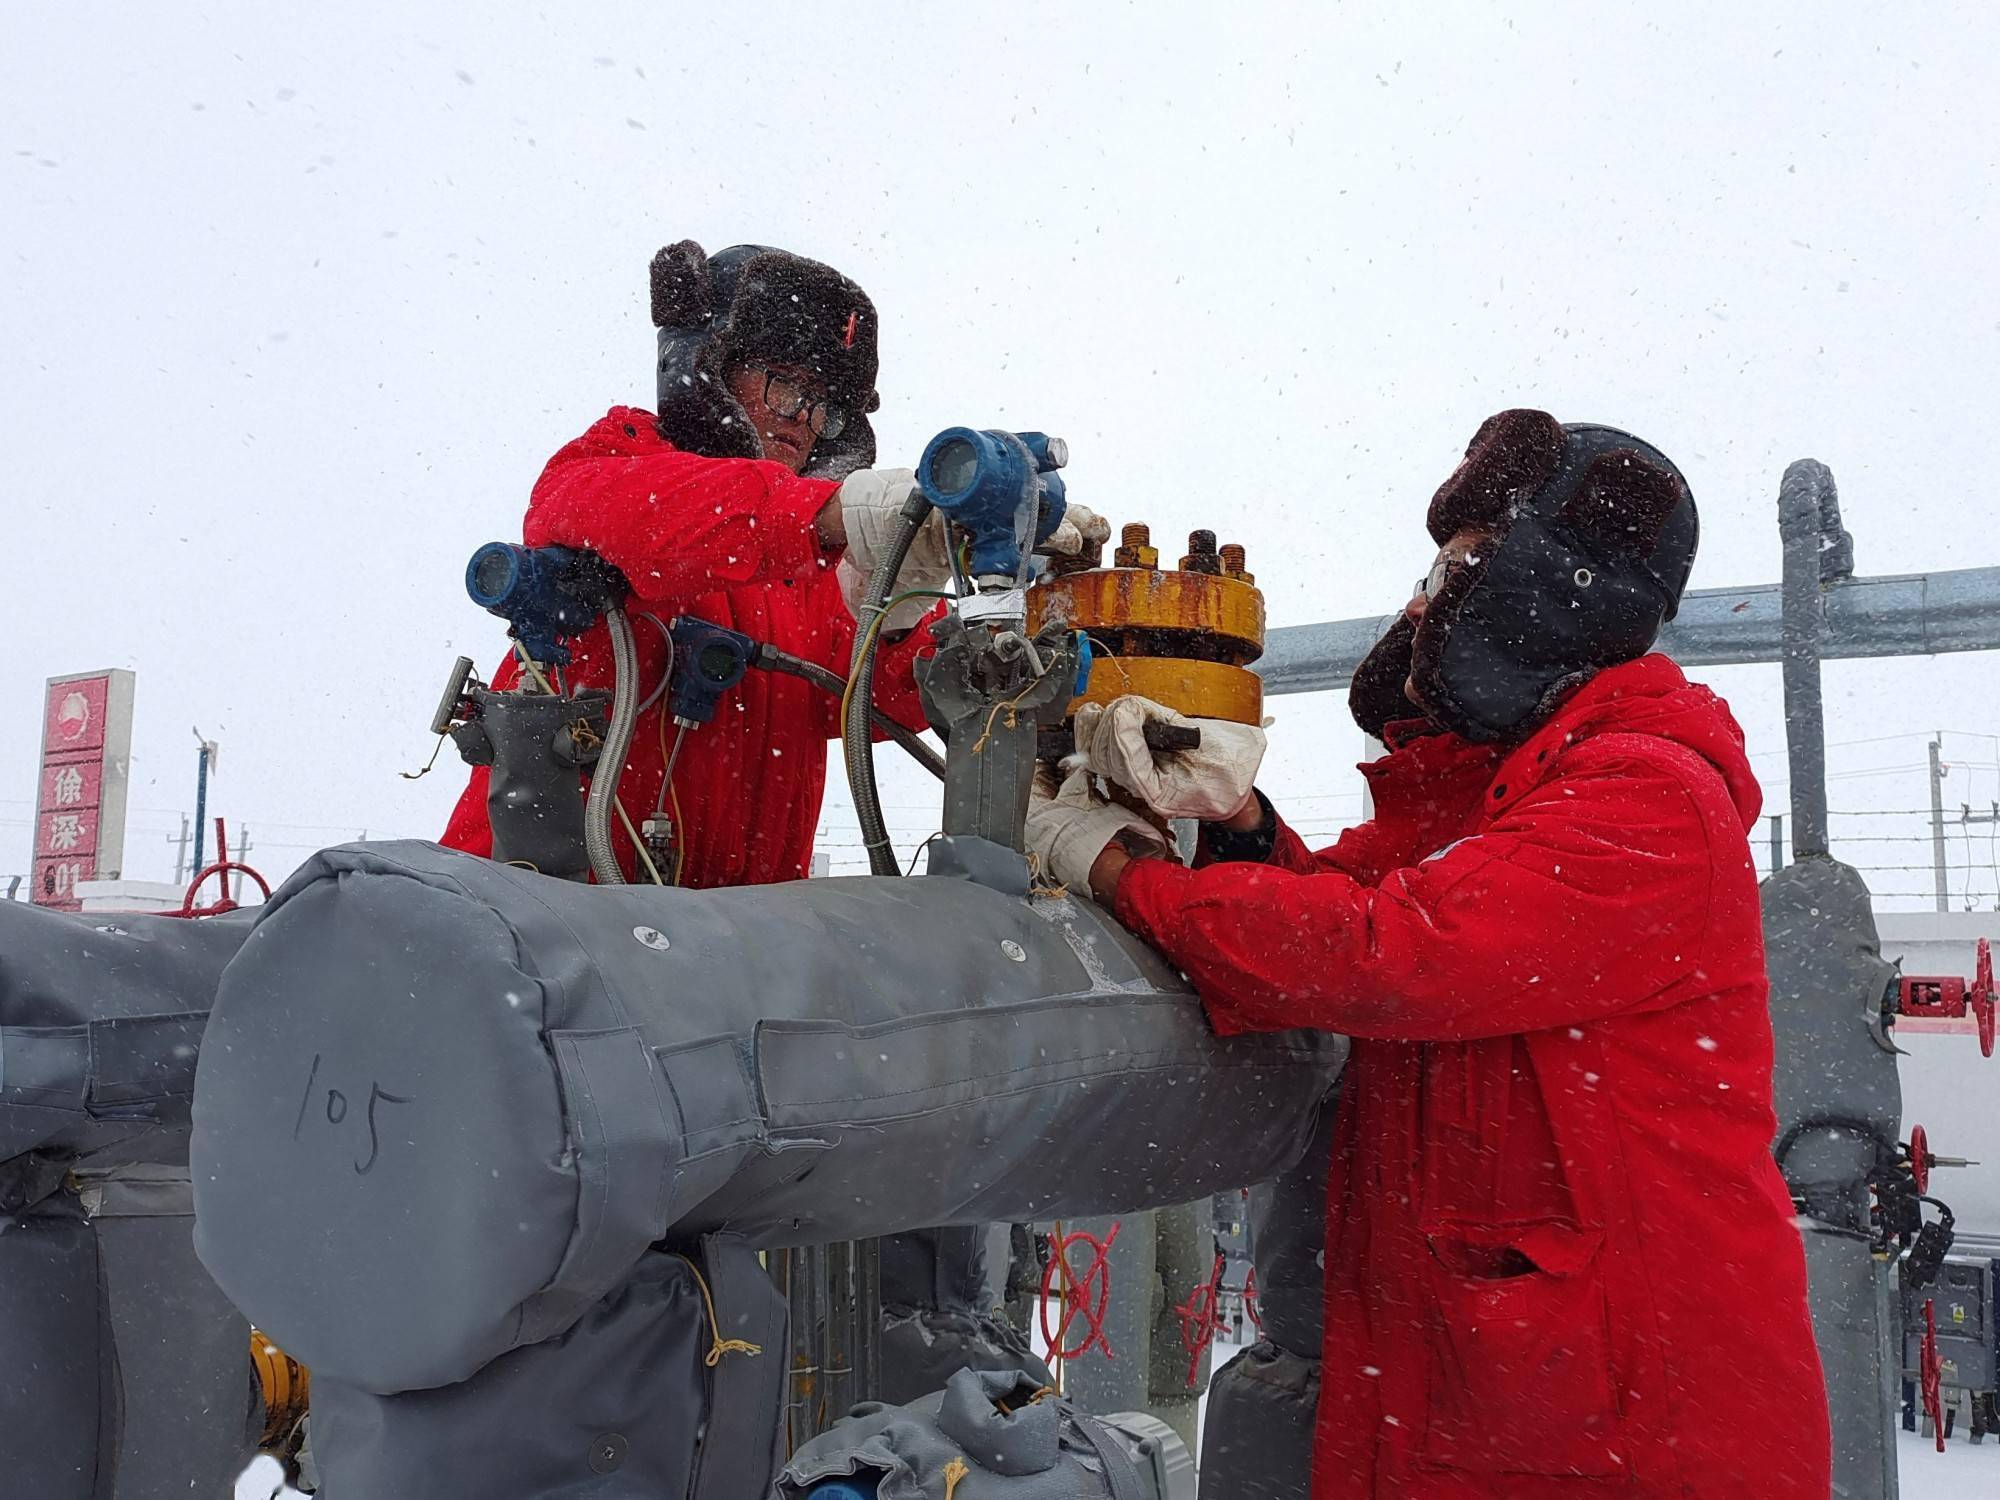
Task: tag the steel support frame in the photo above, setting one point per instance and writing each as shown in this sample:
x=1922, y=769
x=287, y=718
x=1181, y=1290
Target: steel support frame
x=1914, y=614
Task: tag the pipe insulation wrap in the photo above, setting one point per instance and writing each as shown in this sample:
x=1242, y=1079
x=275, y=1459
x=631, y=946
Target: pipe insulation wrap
x=445, y=1105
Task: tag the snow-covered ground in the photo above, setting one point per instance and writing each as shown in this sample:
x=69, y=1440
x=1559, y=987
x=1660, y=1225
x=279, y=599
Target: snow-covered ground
x=1961, y=1472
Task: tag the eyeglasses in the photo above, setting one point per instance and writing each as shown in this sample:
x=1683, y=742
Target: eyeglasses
x=1433, y=582
x=785, y=398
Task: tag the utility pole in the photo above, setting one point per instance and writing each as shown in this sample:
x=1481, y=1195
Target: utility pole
x=208, y=749
x=1937, y=826
x=1777, y=822
x=180, y=852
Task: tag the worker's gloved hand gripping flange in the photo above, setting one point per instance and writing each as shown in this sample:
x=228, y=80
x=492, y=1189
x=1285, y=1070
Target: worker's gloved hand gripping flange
x=1069, y=826
x=871, y=511
x=1080, y=529
x=1210, y=782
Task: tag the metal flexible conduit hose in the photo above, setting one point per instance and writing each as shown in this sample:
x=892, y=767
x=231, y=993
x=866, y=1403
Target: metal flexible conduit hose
x=771, y=659
x=856, y=744
x=617, y=744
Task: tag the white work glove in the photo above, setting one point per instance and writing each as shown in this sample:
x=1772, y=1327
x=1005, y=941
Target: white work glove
x=871, y=512
x=1210, y=783
x=1068, y=828
x=1079, y=529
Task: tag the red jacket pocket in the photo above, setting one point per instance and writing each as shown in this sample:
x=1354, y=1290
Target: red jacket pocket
x=1519, y=1351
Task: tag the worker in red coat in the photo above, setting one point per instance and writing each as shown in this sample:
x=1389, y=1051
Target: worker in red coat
x=1560, y=1260
x=747, y=501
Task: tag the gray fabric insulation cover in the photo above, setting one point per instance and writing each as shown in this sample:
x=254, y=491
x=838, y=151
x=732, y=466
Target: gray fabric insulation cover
x=622, y=1405
x=1257, y=1437
x=986, y=1425
x=445, y=1105
x=100, y=1024
x=127, y=1372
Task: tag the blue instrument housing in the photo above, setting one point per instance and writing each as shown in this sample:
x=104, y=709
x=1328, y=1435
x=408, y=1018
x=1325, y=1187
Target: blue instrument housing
x=545, y=594
x=708, y=662
x=1001, y=487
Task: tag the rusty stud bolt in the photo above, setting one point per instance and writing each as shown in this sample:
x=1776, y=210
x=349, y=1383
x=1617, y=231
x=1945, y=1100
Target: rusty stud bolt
x=1233, y=560
x=1135, y=548
x=1201, y=556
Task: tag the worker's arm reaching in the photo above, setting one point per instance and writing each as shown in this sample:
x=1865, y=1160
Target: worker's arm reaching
x=1515, y=930
x=679, y=525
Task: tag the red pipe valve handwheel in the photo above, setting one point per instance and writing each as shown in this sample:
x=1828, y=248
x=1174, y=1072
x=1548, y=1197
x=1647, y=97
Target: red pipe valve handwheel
x=1921, y=1160
x=1980, y=1000
x=1930, y=1374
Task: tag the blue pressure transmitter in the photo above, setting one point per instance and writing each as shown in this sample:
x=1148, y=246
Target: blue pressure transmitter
x=708, y=662
x=1001, y=487
x=545, y=594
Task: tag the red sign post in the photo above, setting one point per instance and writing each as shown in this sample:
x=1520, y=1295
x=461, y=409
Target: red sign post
x=86, y=764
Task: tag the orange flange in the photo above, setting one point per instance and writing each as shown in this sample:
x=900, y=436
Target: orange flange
x=1199, y=689
x=287, y=1388
x=1182, y=637
x=1216, y=615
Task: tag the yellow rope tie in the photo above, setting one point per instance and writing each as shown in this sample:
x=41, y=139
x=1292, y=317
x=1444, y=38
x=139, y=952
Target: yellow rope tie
x=953, y=1473
x=1038, y=883
x=721, y=1345
x=986, y=734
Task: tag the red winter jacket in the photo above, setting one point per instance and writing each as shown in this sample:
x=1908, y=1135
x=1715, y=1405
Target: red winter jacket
x=1560, y=1259
x=730, y=540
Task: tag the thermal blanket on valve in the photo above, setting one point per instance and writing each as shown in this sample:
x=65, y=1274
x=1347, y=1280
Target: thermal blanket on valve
x=444, y=1105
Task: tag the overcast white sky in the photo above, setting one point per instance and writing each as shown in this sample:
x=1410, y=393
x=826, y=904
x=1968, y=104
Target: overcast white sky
x=299, y=299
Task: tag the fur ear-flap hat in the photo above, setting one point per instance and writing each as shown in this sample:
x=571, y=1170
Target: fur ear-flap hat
x=751, y=302
x=1593, y=536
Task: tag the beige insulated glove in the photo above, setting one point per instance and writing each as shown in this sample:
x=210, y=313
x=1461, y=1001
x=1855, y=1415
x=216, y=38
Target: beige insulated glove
x=871, y=512
x=1210, y=783
x=1079, y=530
x=1068, y=829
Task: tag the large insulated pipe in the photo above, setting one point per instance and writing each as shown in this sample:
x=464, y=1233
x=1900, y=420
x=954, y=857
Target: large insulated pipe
x=445, y=1105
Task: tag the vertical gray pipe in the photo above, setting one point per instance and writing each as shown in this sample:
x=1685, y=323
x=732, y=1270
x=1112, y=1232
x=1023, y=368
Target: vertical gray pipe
x=1937, y=828
x=1817, y=552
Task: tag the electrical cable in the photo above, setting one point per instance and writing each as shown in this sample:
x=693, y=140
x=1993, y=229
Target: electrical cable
x=611, y=759
x=868, y=645
x=771, y=659
x=857, y=744
x=670, y=796
x=666, y=672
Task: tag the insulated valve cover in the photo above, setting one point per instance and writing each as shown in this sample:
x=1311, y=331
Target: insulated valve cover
x=445, y=1105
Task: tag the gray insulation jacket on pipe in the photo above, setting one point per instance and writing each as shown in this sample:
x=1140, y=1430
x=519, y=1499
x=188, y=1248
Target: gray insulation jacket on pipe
x=446, y=1105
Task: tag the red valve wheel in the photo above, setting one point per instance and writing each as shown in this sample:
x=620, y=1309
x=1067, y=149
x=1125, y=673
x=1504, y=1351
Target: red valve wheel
x=1920, y=1158
x=220, y=870
x=1981, y=998
x=1930, y=1374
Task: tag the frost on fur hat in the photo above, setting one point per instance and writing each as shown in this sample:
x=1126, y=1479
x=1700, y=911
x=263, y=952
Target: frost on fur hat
x=1592, y=533
x=1617, y=507
x=751, y=302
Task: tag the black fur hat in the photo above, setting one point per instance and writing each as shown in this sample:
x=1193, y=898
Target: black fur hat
x=754, y=302
x=1594, y=533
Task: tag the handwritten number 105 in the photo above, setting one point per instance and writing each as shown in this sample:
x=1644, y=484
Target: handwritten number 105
x=336, y=1112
